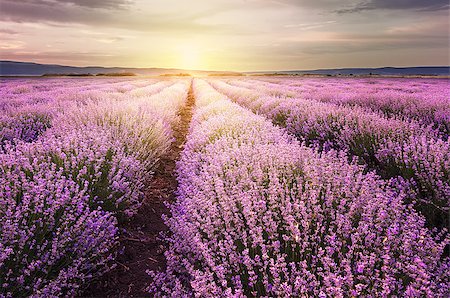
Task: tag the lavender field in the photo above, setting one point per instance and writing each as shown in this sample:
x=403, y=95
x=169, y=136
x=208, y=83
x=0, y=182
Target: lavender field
x=282, y=186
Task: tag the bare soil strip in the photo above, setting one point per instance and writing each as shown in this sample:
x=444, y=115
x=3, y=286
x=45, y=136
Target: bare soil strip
x=143, y=250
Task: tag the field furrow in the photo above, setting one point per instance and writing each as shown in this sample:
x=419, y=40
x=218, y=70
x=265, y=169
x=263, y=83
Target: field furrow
x=259, y=214
x=142, y=246
x=78, y=185
x=223, y=187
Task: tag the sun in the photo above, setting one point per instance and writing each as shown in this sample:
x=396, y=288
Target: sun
x=190, y=57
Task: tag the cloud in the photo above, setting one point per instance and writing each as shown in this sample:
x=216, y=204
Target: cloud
x=418, y=5
x=8, y=31
x=100, y=14
x=44, y=10
x=105, y=4
x=63, y=57
x=350, y=6
x=11, y=45
x=251, y=33
x=109, y=4
x=310, y=26
x=426, y=32
x=110, y=39
x=315, y=4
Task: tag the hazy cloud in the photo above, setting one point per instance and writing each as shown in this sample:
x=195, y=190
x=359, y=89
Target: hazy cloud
x=419, y=5
x=230, y=34
x=348, y=6
x=110, y=4
x=8, y=31
x=106, y=4
x=309, y=26
x=68, y=57
x=38, y=11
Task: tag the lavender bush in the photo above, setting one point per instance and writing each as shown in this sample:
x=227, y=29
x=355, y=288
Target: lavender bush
x=382, y=143
x=64, y=194
x=424, y=100
x=51, y=241
x=25, y=126
x=425, y=162
x=92, y=157
x=28, y=109
x=260, y=215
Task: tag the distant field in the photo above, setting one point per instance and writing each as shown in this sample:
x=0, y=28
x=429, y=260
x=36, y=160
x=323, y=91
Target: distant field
x=274, y=186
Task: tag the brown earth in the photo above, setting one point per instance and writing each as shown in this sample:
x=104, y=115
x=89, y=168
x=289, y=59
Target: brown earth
x=142, y=247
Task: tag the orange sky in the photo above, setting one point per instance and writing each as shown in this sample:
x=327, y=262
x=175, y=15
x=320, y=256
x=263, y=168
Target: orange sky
x=226, y=34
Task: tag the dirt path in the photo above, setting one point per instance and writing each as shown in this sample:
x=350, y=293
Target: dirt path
x=142, y=247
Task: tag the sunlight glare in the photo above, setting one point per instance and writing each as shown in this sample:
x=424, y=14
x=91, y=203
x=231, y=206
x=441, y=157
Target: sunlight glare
x=190, y=57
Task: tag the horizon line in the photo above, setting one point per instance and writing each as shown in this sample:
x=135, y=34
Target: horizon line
x=247, y=71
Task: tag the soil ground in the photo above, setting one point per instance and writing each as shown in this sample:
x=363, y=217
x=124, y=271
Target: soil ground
x=142, y=247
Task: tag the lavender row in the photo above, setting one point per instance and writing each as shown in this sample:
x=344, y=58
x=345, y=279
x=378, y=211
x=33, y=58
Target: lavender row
x=424, y=100
x=29, y=119
x=259, y=215
x=142, y=122
x=11, y=89
x=64, y=195
x=68, y=90
x=52, y=240
x=392, y=147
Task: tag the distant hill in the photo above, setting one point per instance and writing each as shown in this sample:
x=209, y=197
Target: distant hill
x=383, y=71
x=14, y=68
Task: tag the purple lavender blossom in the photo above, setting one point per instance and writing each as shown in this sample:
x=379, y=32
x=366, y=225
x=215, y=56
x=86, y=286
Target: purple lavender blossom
x=382, y=143
x=69, y=181
x=259, y=214
x=51, y=241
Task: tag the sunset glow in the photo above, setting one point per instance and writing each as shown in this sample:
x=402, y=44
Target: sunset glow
x=190, y=58
x=241, y=35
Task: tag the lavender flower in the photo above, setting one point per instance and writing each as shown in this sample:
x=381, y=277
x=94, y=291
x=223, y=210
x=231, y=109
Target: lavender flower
x=51, y=241
x=380, y=142
x=66, y=188
x=259, y=214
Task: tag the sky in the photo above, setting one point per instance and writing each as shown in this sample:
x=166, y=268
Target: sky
x=239, y=35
